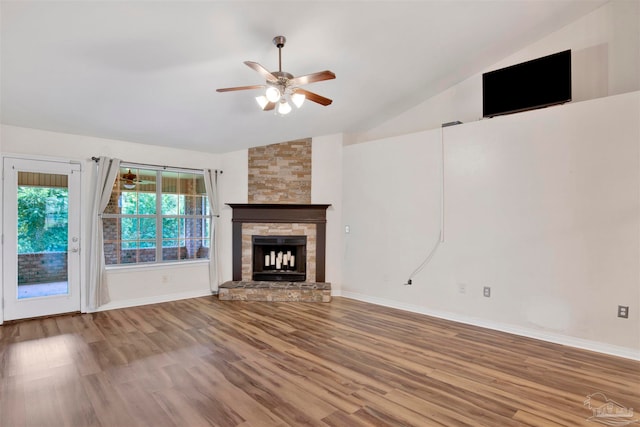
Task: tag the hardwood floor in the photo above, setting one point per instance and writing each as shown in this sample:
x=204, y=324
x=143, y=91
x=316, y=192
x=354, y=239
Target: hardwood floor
x=203, y=362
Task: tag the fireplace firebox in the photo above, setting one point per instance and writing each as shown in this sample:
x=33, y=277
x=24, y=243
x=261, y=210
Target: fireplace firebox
x=279, y=258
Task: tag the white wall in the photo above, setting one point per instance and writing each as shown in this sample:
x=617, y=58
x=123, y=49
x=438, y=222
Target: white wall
x=127, y=285
x=326, y=188
x=541, y=206
x=234, y=188
x=605, y=48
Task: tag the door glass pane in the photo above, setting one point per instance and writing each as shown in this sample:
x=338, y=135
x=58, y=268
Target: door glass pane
x=43, y=201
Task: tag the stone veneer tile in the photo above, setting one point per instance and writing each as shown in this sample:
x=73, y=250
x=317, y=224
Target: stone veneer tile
x=275, y=291
x=280, y=173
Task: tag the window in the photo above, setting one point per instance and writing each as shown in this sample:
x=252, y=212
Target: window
x=156, y=216
x=42, y=212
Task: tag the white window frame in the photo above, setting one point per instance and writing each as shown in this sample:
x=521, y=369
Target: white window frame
x=159, y=217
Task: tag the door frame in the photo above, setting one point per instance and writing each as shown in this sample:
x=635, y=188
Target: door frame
x=81, y=224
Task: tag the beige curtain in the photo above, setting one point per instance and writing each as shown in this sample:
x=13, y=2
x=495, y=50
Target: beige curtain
x=106, y=174
x=211, y=185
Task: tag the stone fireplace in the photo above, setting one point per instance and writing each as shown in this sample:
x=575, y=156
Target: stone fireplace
x=279, y=220
x=297, y=230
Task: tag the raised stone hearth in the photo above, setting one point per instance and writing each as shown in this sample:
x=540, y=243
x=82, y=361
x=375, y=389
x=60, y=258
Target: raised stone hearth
x=275, y=291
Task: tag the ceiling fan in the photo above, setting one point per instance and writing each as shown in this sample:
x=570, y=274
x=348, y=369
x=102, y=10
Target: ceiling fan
x=130, y=179
x=282, y=87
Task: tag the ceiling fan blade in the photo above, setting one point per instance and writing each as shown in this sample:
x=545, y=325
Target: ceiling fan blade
x=269, y=106
x=230, y=89
x=259, y=68
x=314, y=97
x=314, y=77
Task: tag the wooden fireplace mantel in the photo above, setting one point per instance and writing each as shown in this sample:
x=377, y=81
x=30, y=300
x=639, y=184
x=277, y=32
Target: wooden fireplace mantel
x=279, y=213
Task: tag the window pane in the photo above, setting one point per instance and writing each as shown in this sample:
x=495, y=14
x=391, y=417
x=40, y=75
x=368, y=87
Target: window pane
x=193, y=227
x=169, y=227
x=203, y=249
x=147, y=243
x=169, y=182
x=147, y=203
x=129, y=257
x=183, y=183
x=205, y=227
x=146, y=182
x=130, y=229
x=169, y=204
x=147, y=228
x=182, y=227
x=128, y=202
x=180, y=205
x=169, y=254
x=129, y=244
x=147, y=255
x=199, y=185
x=169, y=243
x=203, y=202
x=191, y=206
x=137, y=252
x=42, y=219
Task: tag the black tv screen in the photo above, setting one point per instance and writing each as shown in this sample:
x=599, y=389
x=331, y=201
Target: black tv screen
x=533, y=84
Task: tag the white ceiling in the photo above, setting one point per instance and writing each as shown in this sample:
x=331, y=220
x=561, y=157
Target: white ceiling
x=145, y=71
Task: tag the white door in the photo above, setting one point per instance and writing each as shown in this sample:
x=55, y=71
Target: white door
x=41, y=238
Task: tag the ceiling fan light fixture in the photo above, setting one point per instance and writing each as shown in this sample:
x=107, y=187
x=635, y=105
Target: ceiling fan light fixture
x=273, y=94
x=262, y=101
x=284, y=108
x=298, y=99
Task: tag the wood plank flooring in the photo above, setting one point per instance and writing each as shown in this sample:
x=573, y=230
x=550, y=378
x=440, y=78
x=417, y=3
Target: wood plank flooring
x=204, y=362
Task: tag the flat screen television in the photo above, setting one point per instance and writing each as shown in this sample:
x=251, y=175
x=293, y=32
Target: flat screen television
x=533, y=84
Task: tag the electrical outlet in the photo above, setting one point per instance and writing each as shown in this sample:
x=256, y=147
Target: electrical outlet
x=486, y=291
x=462, y=288
x=623, y=311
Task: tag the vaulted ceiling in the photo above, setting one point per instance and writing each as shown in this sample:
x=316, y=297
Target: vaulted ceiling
x=146, y=71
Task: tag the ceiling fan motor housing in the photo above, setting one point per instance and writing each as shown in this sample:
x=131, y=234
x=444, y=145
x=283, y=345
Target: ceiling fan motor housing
x=279, y=41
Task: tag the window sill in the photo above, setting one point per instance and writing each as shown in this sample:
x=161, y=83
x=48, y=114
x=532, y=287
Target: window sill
x=155, y=266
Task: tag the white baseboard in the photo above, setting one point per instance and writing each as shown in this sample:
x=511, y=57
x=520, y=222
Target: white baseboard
x=627, y=353
x=154, y=299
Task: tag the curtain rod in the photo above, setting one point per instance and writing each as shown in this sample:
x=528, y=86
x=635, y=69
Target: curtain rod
x=95, y=159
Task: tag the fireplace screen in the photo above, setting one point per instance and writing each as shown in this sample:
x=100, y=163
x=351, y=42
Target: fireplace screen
x=279, y=258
